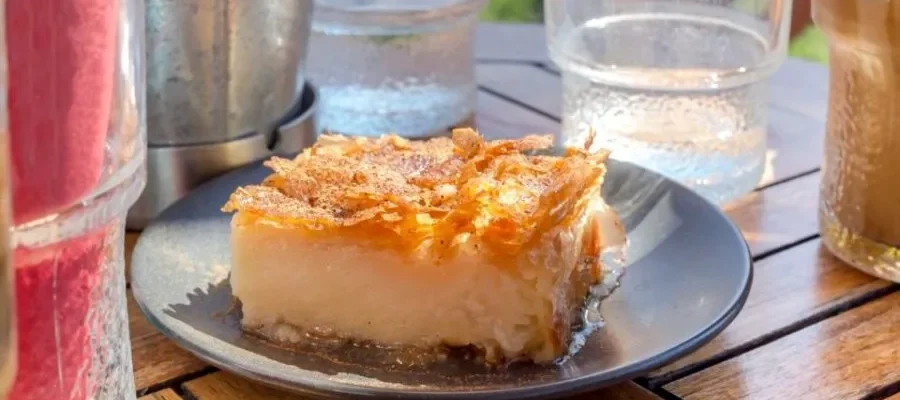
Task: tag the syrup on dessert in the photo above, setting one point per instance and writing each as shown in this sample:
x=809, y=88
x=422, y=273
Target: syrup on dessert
x=612, y=259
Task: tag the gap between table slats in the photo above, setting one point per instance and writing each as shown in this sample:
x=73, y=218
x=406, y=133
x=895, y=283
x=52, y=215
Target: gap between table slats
x=167, y=394
x=226, y=386
x=851, y=355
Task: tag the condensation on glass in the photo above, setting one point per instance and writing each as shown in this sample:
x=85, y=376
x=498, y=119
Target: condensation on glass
x=677, y=86
x=859, y=208
x=218, y=70
x=394, y=66
x=77, y=144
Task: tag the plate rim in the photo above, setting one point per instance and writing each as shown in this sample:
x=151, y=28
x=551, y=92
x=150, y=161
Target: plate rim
x=580, y=384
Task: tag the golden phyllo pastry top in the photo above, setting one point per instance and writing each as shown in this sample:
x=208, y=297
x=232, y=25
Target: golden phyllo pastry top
x=429, y=195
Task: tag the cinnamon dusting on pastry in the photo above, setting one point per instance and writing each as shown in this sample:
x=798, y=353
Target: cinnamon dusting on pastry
x=433, y=194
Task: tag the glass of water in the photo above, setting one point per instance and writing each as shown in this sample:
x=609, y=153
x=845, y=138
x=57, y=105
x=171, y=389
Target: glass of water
x=393, y=66
x=678, y=86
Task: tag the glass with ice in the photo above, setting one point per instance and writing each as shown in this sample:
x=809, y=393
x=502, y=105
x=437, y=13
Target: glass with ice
x=677, y=86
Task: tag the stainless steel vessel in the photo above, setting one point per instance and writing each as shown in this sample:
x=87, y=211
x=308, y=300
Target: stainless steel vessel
x=220, y=69
x=225, y=87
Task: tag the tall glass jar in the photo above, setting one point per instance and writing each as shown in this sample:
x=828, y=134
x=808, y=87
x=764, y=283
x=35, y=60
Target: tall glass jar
x=76, y=127
x=859, y=209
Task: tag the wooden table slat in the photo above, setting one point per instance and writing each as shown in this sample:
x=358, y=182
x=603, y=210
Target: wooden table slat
x=511, y=42
x=528, y=84
x=156, y=359
x=779, y=215
x=788, y=288
x=497, y=118
x=130, y=241
x=802, y=87
x=794, y=145
x=226, y=386
x=623, y=391
x=844, y=357
x=167, y=394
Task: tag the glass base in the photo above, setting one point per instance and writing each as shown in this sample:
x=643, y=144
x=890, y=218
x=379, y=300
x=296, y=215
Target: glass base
x=72, y=319
x=867, y=255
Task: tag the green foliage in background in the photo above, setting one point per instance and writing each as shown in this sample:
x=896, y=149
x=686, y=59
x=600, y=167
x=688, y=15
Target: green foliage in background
x=514, y=11
x=808, y=45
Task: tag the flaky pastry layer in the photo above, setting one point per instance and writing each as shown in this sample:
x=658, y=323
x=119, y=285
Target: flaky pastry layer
x=426, y=196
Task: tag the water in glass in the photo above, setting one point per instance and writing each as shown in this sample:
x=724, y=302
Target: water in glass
x=381, y=69
x=682, y=93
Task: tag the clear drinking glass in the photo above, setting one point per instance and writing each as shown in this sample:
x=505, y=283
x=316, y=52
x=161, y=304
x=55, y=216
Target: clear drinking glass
x=77, y=141
x=401, y=66
x=677, y=86
x=859, y=203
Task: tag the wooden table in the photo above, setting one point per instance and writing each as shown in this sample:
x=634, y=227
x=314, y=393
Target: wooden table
x=813, y=328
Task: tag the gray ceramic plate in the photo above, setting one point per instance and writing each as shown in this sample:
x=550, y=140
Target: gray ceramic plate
x=688, y=276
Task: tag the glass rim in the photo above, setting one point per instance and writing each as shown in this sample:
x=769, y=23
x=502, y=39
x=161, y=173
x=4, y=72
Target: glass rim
x=373, y=16
x=109, y=201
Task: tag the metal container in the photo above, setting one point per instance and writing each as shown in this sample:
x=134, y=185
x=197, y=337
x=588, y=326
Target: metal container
x=173, y=171
x=225, y=88
x=218, y=70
